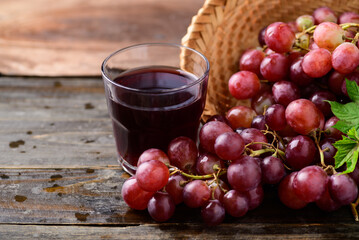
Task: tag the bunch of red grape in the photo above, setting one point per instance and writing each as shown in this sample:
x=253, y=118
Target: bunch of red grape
x=285, y=138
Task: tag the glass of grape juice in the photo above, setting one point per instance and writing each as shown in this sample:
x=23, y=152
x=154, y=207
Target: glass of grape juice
x=155, y=92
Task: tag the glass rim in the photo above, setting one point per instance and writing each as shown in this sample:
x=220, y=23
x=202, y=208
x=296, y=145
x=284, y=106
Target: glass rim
x=179, y=46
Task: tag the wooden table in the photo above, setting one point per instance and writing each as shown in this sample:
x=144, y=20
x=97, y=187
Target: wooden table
x=59, y=178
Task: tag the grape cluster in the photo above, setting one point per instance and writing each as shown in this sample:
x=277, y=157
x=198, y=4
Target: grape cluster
x=284, y=139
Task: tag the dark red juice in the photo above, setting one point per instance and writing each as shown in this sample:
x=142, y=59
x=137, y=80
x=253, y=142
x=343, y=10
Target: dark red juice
x=151, y=116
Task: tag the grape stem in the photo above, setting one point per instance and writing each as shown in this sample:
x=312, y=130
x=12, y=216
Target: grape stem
x=353, y=207
x=198, y=177
x=321, y=154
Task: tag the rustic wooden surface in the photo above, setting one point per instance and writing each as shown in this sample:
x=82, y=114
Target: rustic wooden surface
x=72, y=37
x=68, y=186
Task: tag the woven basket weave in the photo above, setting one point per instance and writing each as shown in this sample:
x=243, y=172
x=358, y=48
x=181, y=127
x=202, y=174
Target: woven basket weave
x=223, y=29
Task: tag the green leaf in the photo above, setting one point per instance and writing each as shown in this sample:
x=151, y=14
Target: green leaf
x=346, y=148
x=346, y=112
x=343, y=126
x=353, y=134
x=353, y=90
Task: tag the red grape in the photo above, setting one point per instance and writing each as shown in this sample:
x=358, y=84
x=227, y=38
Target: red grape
x=253, y=135
x=161, y=207
x=303, y=116
x=348, y=17
x=328, y=35
x=342, y=188
x=272, y=170
x=345, y=58
x=287, y=195
x=235, y=203
x=279, y=37
x=251, y=61
x=255, y=197
x=354, y=76
x=310, y=183
x=329, y=150
x=244, y=174
x=300, y=152
x=152, y=176
x=285, y=92
x=320, y=99
x=275, y=117
x=218, y=188
x=355, y=174
x=213, y=213
x=206, y=162
x=259, y=122
x=330, y=131
x=335, y=82
x=153, y=154
x=326, y=202
x=244, y=84
x=317, y=63
x=240, y=116
x=324, y=14
x=134, y=196
x=175, y=187
x=297, y=75
x=210, y=131
x=229, y=146
x=196, y=194
x=262, y=101
x=275, y=67
x=261, y=35
x=183, y=152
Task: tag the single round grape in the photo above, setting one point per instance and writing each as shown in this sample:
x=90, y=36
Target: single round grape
x=175, y=186
x=229, y=146
x=275, y=117
x=300, y=152
x=244, y=84
x=272, y=170
x=324, y=14
x=275, y=67
x=235, y=203
x=285, y=92
x=354, y=76
x=335, y=82
x=261, y=35
x=348, y=17
x=310, y=183
x=259, y=122
x=209, y=132
x=294, y=56
x=326, y=202
x=355, y=174
x=153, y=154
x=313, y=45
x=217, y=117
x=183, y=152
x=206, y=162
x=297, y=75
x=251, y=61
x=134, y=196
x=240, y=116
x=303, y=116
x=293, y=26
x=320, y=99
x=253, y=135
x=287, y=195
x=161, y=207
x=345, y=58
x=255, y=197
x=304, y=22
x=244, y=174
x=329, y=150
x=279, y=37
x=213, y=213
x=262, y=101
x=218, y=188
x=328, y=35
x=152, y=176
x=330, y=131
x=342, y=188
x=196, y=194
x=317, y=63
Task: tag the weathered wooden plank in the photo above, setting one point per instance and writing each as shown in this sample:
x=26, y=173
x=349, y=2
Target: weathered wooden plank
x=176, y=231
x=91, y=196
x=72, y=37
x=54, y=121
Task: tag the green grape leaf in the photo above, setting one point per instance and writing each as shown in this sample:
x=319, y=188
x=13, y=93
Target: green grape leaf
x=348, y=150
x=353, y=90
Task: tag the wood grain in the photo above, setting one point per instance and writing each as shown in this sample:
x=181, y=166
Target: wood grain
x=72, y=37
x=60, y=121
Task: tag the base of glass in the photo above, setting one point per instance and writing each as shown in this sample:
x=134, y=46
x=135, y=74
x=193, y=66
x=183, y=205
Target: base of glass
x=127, y=167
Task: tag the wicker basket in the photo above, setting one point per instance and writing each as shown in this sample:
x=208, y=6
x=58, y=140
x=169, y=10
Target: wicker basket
x=223, y=29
